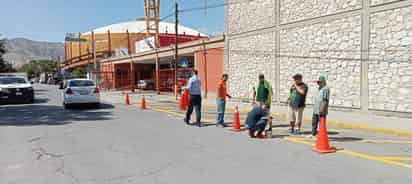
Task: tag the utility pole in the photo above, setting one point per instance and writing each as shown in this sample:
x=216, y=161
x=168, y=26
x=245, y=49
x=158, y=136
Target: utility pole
x=94, y=59
x=205, y=1
x=58, y=64
x=205, y=66
x=152, y=8
x=176, y=58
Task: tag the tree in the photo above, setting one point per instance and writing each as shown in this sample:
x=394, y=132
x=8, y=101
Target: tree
x=35, y=67
x=4, y=65
x=79, y=72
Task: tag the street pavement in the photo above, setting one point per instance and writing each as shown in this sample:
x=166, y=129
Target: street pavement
x=42, y=143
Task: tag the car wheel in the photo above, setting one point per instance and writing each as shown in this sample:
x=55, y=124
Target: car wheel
x=96, y=105
x=67, y=106
x=28, y=100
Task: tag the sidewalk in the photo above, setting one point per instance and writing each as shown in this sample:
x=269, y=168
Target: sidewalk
x=348, y=119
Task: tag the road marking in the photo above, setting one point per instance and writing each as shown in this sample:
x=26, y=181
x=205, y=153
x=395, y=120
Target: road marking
x=179, y=114
x=167, y=111
x=376, y=158
x=397, y=158
x=387, y=160
x=14, y=167
x=386, y=141
x=298, y=140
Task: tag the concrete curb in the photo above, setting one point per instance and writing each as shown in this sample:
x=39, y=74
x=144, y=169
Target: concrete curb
x=357, y=126
x=346, y=125
x=336, y=124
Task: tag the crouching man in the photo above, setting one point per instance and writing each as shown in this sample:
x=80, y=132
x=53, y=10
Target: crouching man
x=257, y=119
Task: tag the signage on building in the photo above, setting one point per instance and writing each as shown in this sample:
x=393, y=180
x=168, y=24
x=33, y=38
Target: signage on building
x=119, y=52
x=71, y=37
x=147, y=44
x=184, y=62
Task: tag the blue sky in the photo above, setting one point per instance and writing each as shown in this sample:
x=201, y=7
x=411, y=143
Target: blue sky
x=50, y=20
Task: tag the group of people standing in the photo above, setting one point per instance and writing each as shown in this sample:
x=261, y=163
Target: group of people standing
x=258, y=118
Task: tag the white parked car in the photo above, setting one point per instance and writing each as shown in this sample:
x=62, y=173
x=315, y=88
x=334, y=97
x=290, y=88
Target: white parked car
x=146, y=84
x=80, y=91
x=15, y=89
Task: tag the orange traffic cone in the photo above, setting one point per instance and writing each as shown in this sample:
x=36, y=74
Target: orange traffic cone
x=126, y=99
x=143, y=104
x=184, y=100
x=236, y=120
x=322, y=142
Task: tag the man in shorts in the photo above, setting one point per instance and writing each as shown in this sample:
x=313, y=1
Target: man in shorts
x=297, y=100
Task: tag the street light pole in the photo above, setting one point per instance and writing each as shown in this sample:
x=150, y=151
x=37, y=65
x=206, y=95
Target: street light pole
x=94, y=60
x=176, y=45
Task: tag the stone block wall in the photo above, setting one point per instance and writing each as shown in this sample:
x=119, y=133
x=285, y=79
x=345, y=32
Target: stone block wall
x=364, y=51
x=329, y=48
x=379, y=2
x=295, y=10
x=251, y=55
x=255, y=14
x=390, y=65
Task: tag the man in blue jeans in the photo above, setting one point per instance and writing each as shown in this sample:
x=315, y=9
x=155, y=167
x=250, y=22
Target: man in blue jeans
x=221, y=101
x=257, y=120
x=195, y=99
x=321, y=105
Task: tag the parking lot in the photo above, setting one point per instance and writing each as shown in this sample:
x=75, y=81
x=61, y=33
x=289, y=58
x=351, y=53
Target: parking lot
x=44, y=143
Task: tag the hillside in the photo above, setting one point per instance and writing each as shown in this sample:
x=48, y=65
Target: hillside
x=21, y=50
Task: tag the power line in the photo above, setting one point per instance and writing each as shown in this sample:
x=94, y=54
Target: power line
x=161, y=19
x=207, y=6
x=212, y=6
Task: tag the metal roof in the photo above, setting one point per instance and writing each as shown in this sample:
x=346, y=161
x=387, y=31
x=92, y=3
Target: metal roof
x=139, y=26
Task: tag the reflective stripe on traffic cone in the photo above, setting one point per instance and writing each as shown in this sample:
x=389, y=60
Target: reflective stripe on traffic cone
x=236, y=120
x=322, y=142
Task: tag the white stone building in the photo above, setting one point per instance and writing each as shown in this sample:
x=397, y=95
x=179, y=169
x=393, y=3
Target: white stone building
x=364, y=47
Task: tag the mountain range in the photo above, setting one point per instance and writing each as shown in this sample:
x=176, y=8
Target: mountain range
x=22, y=50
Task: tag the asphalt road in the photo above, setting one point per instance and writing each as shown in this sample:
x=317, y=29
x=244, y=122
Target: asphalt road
x=42, y=143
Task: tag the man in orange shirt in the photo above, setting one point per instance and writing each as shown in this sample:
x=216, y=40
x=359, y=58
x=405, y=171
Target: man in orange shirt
x=221, y=101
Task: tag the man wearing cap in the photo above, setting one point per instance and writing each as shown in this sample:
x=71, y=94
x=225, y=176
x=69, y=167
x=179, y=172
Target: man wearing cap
x=297, y=100
x=320, y=108
x=262, y=92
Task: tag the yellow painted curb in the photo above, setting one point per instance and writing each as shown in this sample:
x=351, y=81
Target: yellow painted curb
x=344, y=125
x=387, y=160
x=360, y=126
x=370, y=129
x=386, y=141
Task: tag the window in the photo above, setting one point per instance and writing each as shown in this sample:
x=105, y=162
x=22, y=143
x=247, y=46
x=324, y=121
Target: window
x=12, y=80
x=81, y=83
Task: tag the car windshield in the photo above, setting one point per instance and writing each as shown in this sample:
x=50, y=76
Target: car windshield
x=12, y=80
x=81, y=83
